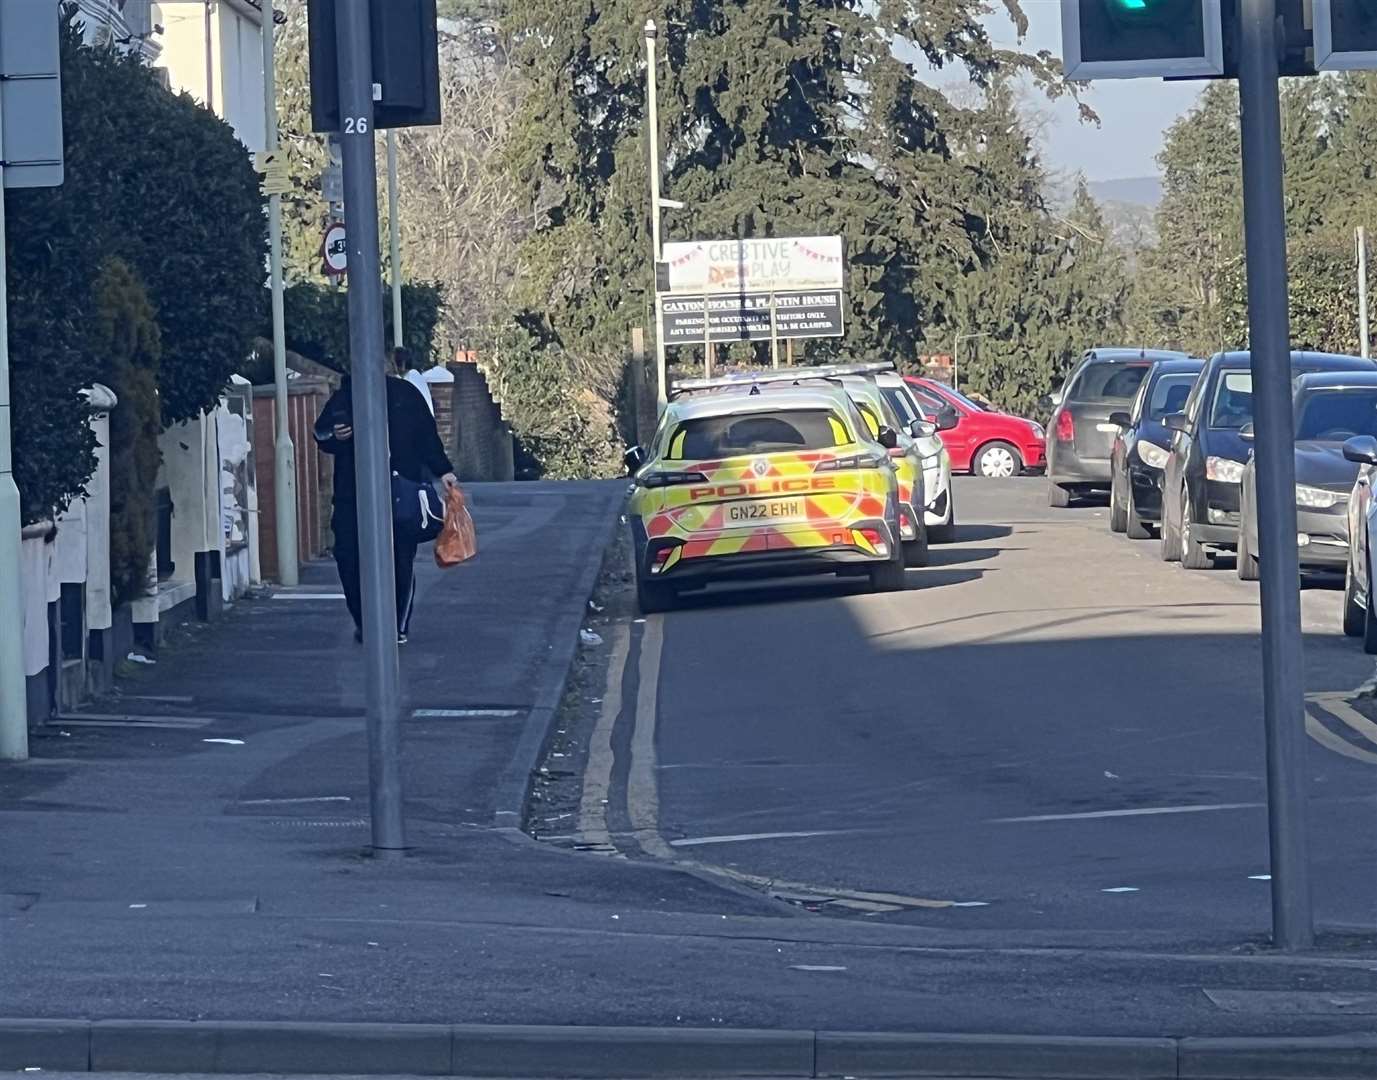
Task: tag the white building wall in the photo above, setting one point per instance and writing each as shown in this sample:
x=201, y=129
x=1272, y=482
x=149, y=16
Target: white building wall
x=235, y=63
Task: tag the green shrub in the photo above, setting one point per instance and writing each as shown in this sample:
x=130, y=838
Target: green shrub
x=126, y=334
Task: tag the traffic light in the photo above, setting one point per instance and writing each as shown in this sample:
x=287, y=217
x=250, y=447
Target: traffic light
x=406, y=63
x=1345, y=35
x=1129, y=39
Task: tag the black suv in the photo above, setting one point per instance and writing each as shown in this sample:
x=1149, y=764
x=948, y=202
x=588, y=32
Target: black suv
x=1080, y=434
x=1200, y=487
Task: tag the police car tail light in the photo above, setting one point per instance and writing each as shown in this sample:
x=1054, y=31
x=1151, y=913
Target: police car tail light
x=671, y=479
x=854, y=461
x=906, y=524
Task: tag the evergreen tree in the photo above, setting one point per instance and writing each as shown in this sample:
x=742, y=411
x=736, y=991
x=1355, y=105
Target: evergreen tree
x=778, y=117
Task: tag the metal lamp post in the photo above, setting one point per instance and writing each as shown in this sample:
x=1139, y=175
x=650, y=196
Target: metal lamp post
x=284, y=453
x=653, y=124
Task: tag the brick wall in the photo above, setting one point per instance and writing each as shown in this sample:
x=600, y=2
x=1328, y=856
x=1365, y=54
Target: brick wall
x=479, y=438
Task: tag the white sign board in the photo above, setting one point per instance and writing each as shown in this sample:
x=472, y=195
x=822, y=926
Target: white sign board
x=335, y=250
x=774, y=264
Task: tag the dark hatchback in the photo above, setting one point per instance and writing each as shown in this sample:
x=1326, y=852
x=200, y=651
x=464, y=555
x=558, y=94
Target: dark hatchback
x=1139, y=454
x=1330, y=408
x=1201, y=485
x=1080, y=434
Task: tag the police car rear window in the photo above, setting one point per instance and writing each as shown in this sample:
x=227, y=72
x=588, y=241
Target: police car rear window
x=783, y=431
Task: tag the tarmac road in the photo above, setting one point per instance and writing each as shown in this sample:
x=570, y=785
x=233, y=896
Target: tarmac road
x=1050, y=731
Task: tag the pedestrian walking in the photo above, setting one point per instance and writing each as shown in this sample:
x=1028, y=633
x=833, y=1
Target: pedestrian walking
x=418, y=454
x=410, y=370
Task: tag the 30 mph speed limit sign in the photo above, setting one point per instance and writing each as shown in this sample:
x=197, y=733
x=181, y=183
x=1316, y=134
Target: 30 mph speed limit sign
x=335, y=250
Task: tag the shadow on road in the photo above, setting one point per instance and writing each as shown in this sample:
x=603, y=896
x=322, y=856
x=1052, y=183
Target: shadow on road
x=968, y=534
x=954, y=554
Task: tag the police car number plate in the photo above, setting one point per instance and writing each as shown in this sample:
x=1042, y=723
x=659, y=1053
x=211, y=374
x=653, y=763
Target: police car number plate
x=748, y=513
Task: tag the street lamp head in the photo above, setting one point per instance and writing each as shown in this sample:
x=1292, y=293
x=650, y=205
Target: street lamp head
x=650, y=31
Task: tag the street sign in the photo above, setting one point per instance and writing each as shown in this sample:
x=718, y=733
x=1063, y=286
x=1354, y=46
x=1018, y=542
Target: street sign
x=334, y=250
x=332, y=185
x=772, y=264
x=1129, y=39
x=274, y=177
x=747, y=317
x=30, y=94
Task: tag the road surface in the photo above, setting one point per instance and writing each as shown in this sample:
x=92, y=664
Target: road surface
x=1050, y=732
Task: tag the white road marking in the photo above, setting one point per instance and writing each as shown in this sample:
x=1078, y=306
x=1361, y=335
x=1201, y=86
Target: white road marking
x=1337, y=743
x=450, y=714
x=597, y=774
x=287, y=802
x=817, y=967
x=1259, y=877
x=1121, y=889
x=699, y=841
x=1142, y=811
x=225, y=742
x=309, y=596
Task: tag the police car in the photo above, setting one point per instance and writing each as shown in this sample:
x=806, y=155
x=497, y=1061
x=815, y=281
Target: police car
x=741, y=483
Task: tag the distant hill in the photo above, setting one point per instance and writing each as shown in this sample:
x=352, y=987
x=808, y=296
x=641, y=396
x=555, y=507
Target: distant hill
x=1135, y=190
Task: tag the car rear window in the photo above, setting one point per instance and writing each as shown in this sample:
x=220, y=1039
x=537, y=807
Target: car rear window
x=1337, y=415
x=1107, y=382
x=1233, y=401
x=763, y=432
x=1170, y=394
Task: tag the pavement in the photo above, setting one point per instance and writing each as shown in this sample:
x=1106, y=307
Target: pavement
x=196, y=849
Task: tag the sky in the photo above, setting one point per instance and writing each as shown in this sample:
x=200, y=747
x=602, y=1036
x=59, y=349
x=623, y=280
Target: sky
x=1134, y=113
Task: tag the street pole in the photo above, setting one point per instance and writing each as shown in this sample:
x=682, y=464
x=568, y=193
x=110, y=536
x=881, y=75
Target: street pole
x=395, y=236
x=774, y=334
x=955, y=363
x=653, y=124
x=1274, y=450
x=284, y=453
x=1362, y=294
x=356, y=96
x=14, y=709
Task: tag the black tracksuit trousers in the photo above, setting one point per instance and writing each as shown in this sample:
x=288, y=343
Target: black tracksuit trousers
x=345, y=526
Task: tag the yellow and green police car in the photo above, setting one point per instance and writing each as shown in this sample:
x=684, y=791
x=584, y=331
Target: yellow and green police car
x=741, y=483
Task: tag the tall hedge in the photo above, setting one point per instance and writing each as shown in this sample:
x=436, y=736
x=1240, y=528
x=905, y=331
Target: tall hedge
x=153, y=179
x=126, y=331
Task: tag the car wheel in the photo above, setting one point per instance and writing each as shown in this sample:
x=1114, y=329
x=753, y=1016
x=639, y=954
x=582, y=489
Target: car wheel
x=916, y=550
x=997, y=461
x=1369, y=618
x=1248, y=569
x=1171, y=536
x=1057, y=496
x=946, y=532
x=653, y=597
x=1193, y=553
x=1355, y=617
x=1118, y=516
x=1133, y=524
x=888, y=576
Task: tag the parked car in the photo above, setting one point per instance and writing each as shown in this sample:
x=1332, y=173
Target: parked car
x=1139, y=454
x=1081, y=433
x=1201, y=485
x=1330, y=408
x=939, y=514
x=983, y=441
x=1360, y=612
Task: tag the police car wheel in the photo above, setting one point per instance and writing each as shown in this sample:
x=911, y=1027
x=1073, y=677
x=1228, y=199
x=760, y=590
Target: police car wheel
x=887, y=576
x=653, y=597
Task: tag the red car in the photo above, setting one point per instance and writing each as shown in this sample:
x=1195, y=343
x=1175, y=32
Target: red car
x=983, y=442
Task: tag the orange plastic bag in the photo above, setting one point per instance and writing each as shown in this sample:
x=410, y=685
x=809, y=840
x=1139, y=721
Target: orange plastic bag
x=458, y=540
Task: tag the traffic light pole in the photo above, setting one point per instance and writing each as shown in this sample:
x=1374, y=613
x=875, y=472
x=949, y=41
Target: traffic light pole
x=374, y=508
x=1270, y=332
